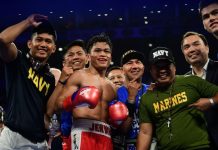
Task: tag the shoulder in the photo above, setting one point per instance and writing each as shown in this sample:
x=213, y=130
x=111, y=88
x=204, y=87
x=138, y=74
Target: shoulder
x=121, y=89
x=188, y=73
x=186, y=77
x=79, y=73
x=57, y=73
x=189, y=80
x=145, y=87
x=110, y=86
x=122, y=93
x=213, y=63
x=76, y=77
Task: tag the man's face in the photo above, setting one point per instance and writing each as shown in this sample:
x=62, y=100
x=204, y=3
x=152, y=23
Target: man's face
x=163, y=72
x=194, y=50
x=100, y=55
x=117, y=77
x=133, y=69
x=209, y=16
x=75, y=58
x=41, y=46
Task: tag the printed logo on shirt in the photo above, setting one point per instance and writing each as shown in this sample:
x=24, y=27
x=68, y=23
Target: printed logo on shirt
x=38, y=81
x=167, y=103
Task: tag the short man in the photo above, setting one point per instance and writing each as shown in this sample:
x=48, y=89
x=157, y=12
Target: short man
x=132, y=63
x=195, y=49
x=209, y=14
x=116, y=75
x=91, y=129
x=75, y=58
x=168, y=109
x=29, y=84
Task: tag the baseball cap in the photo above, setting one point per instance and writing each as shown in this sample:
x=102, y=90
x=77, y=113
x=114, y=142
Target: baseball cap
x=132, y=54
x=160, y=53
x=45, y=27
x=205, y=3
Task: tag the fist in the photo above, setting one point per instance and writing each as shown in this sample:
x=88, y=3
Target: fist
x=118, y=113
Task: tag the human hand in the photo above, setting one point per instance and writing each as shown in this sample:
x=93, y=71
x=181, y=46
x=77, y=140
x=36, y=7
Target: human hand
x=67, y=70
x=202, y=104
x=133, y=87
x=36, y=19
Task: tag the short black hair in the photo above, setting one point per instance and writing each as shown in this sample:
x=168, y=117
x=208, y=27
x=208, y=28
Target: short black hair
x=205, y=3
x=111, y=69
x=77, y=42
x=45, y=27
x=190, y=33
x=99, y=38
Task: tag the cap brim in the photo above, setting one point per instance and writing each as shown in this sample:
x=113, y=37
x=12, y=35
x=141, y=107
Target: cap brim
x=133, y=55
x=160, y=59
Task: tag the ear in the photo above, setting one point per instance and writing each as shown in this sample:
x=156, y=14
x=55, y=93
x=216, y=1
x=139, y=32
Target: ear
x=207, y=49
x=29, y=44
x=54, y=49
x=205, y=27
x=87, y=59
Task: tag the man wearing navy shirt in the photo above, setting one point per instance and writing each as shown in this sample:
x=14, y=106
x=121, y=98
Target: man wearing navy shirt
x=130, y=94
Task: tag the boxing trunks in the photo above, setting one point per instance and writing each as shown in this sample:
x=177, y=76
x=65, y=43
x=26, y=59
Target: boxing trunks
x=89, y=134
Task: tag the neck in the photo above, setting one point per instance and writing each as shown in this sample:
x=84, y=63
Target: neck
x=139, y=80
x=164, y=86
x=94, y=71
x=199, y=69
x=43, y=62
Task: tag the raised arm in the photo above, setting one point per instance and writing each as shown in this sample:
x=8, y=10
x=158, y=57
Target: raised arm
x=65, y=74
x=8, y=50
x=144, y=136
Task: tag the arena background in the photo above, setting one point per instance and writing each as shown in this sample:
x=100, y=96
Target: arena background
x=139, y=24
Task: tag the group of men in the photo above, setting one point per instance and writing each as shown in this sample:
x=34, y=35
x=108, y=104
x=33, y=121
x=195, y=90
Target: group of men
x=169, y=111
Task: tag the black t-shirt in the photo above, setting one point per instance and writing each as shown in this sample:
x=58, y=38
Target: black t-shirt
x=27, y=93
x=2, y=84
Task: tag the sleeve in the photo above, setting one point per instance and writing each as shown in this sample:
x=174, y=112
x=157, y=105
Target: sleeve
x=144, y=115
x=122, y=94
x=205, y=88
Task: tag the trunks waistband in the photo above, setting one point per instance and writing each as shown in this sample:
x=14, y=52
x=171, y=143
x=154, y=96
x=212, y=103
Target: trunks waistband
x=94, y=126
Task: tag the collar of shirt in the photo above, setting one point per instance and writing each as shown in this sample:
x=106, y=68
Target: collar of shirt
x=205, y=70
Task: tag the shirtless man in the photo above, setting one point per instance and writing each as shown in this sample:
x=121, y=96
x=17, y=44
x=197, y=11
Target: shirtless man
x=90, y=87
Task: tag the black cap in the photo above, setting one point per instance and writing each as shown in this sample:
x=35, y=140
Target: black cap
x=132, y=54
x=205, y=3
x=45, y=27
x=160, y=53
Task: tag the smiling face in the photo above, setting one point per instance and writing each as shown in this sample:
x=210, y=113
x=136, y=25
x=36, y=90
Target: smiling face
x=100, y=55
x=163, y=72
x=76, y=57
x=209, y=16
x=195, y=50
x=133, y=69
x=117, y=77
x=41, y=46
